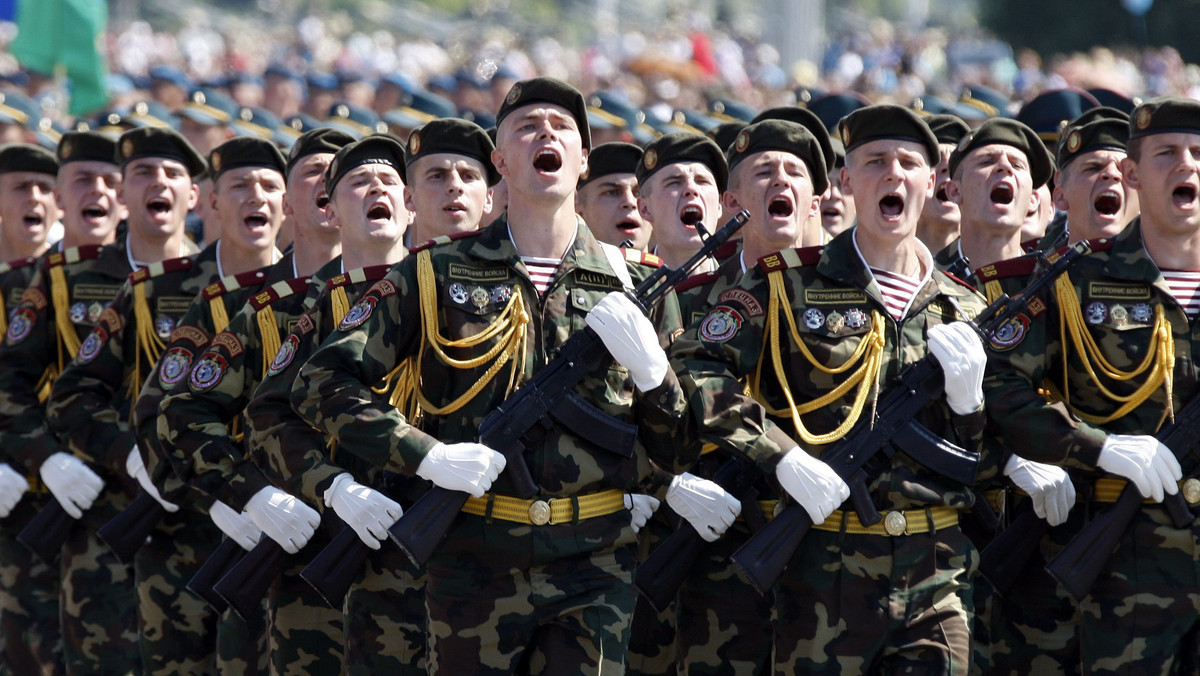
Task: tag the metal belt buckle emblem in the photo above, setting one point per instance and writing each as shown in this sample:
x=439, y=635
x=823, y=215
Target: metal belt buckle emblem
x=539, y=513
x=895, y=523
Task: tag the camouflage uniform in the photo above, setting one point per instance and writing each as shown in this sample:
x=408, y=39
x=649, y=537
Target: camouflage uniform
x=853, y=602
x=1141, y=614
x=99, y=609
x=951, y=260
x=383, y=615
x=497, y=588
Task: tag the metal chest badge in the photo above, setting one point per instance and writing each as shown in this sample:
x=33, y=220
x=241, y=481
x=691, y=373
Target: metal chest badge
x=814, y=318
x=855, y=318
x=94, y=310
x=458, y=293
x=1119, y=314
x=835, y=321
x=1096, y=313
x=163, y=326
x=1142, y=313
x=501, y=294
x=480, y=297
x=77, y=313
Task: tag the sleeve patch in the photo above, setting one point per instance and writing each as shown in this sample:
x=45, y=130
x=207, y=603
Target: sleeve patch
x=721, y=324
x=358, y=314
x=21, y=325
x=744, y=298
x=229, y=342
x=285, y=355
x=208, y=372
x=1010, y=334
x=173, y=367
x=92, y=345
x=111, y=320
x=35, y=297
x=194, y=335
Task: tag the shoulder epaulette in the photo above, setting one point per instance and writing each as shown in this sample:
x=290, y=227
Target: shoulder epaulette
x=161, y=268
x=791, y=258
x=444, y=239
x=1021, y=266
x=16, y=264
x=1030, y=245
x=700, y=279
x=642, y=258
x=726, y=250
x=233, y=283
x=75, y=254
x=373, y=273
x=280, y=290
x=1098, y=244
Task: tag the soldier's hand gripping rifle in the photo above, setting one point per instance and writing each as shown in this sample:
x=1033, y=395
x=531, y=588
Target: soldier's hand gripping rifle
x=867, y=449
x=549, y=395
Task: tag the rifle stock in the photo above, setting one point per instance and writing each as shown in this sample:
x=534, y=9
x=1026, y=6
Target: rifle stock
x=423, y=525
x=47, y=532
x=213, y=569
x=336, y=567
x=126, y=532
x=1002, y=561
x=246, y=583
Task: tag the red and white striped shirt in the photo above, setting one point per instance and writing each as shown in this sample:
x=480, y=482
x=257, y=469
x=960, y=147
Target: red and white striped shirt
x=1185, y=286
x=898, y=291
x=541, y=271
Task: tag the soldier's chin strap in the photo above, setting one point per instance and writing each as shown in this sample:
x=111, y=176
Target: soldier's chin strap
x=866, y=377
x=1159, y=360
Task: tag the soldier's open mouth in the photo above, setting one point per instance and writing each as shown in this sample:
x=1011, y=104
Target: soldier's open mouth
x=94, y=212
x=379, y=211
x=1108, y=202
x=255, y=220
x=780, y=206
x=547, y=160
x=831, y=212
x=691, y=215
x=941, y=193
x=891, y=205
x=628, y=225
x=32, y=219
x=1184, y=195
x=1001, y=194
x=158, y=206
x=322, y=200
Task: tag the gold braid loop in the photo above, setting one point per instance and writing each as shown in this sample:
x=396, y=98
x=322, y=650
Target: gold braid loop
x=60, y=295
x=149, y=345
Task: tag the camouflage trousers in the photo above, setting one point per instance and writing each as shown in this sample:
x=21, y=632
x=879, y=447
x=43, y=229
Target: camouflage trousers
x=549, y=599
x=99, y=600
x=180, y=633
x=304, y=635
x=855, y=604
x=1143, y=614
x=29, y=626
x=724, y=623
x=652, y=634
x=384, y=616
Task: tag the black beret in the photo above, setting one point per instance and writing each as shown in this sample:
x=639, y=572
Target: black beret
x=374, y=149
x=1108, y=97
x=1099, y=134
x=1100, y=113
x=1009, y=132
x=91, y=146
x=159, y=142
x=315, y=142
x=683, y=147
x=611, y=158
x=833, y=107
x=452, y=135
x=1165, y=115
x=548, y=90
x=245, y=151
x=807, y=119
x=946, y=128
x=887, y=122
x=27, y=157
x=839, y=152
x=1048, y=112
x=787, y=137
x=723, y=134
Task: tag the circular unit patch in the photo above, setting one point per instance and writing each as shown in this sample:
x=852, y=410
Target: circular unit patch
x=20, y=326
x=1010, y=333
x=92, y=344
x=358, y=314
x=284, y=356
x=174, y=367
x=720, y=325
x=208, y=372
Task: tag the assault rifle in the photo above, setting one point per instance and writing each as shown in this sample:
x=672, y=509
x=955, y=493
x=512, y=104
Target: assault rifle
x=126, y=532
x=47, y=532
x=1002, y=561
x=245, y=584
x=224, y=557
x=547, y=396
x=867, y=449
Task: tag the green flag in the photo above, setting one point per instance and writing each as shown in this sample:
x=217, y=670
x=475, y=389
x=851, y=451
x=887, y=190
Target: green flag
x=64, y=33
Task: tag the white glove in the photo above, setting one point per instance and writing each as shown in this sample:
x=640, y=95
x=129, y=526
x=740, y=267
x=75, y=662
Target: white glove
x=631, y=339
x=1140, y=458
x=286, y=520
x=237, y=526
x=703, y=504
x=72, y=483
x=958, y=349
x=1050, y=487
x=640, y=508
x=369, y=512
x=12, y=486
x=812, y=483
x=137, y=469
x=467, y=467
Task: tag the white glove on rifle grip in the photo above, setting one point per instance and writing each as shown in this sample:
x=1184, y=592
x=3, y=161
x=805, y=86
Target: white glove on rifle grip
x=369, y=512
x=630, y=338
x=640, y=507
x=237, y=526
x=467, y=467
x=1048, y=486
x=811, y=483
x=960, y=353
x=1143, y=460
x=12, y=486
x=72, y=483
x=137, y=469
x=286, y=520
x=703, y=504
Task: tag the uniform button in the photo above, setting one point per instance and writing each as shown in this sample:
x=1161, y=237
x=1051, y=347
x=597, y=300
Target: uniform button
x=895, y=523
x=1191, y=491
x=539, y=513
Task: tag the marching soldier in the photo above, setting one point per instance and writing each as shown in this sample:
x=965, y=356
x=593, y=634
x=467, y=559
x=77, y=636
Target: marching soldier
x=939, y=224
x=680, y=180
x=1090, y=187
x=607, y=196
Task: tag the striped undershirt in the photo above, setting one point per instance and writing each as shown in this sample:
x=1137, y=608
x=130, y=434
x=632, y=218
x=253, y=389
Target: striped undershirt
x=898, y=291
x=541, y=271
x=1185, y=286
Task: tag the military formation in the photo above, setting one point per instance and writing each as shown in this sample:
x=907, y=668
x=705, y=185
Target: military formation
x=412, y=395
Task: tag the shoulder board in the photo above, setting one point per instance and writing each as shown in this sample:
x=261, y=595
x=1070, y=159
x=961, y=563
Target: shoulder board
x=726, y=250
x=1030, y=245
x=959, y=281
x=444, y=239
x=233, y=283
x=642, y=258
x=1021, y=266
x=160, y=268
x=1098, y=244
x=791, y=258
x=373, y=273
x=74, y=255
x=17, y=264
x=279, y=290
x=697, y=280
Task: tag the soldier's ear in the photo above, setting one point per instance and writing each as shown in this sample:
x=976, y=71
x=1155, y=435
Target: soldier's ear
x=953, y=193
x=1129, y=173
x=730, y=202
x=499, y=163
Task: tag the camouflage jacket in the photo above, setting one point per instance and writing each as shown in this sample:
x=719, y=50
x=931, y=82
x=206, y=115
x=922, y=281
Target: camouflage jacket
x=1119, y=290
x=952, y=260
x=831, y=294
x=475, y=279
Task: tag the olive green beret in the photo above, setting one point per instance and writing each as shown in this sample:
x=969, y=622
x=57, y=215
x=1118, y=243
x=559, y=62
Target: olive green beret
x=1099, y=134
x=783, y=136
x=946, y=128
x=1009, y=132
x=607, y=159
x=683, y=147
x=374, y=149
x=452, y=135
x=548, y=90
x=809, y=120
x=27, y=157
x=723, y=134
x=887, y=122
x=89, y=146
x=245, y=151
x=159, y=142
x=316, y=142
x=1166, y=115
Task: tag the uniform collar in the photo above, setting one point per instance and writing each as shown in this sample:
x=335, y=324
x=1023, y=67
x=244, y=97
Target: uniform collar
x=494, y=243
x=1128, y=258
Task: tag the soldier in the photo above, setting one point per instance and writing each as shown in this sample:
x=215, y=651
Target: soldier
x=837, y=208
x=552, y=582
x=607, y=196
x=27, y=205
x=812, y=232
x=1127, y=307
x=874, y=283
x=452, y=188
x=1090, y=187
x=938, y=227
x=680, y=180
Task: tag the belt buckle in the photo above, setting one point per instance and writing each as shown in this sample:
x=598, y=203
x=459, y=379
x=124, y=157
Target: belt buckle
x=1191, y=491
x=895, y=523
x=539, y=513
